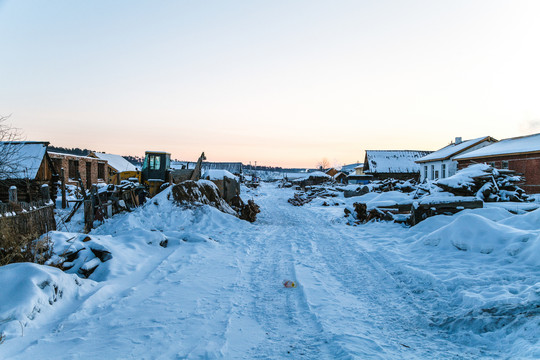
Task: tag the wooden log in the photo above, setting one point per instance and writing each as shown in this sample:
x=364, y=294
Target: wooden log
x=88, y=215
x=64, y=197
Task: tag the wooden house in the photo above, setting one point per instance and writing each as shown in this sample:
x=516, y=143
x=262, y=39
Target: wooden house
x=521, y=154
x=441, y=163
x=91, y=170
x=331, y=172
x=340, y=177
x=396, y=164
x=26, y=165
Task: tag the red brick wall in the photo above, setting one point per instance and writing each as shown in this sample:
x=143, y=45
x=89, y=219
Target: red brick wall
x=62, y=161
x=526, y=164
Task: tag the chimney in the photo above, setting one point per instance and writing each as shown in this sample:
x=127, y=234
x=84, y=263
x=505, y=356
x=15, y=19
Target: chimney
x=458, y=140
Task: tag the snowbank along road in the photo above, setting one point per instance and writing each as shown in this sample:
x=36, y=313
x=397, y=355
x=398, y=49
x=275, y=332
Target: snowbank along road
x=216, y=292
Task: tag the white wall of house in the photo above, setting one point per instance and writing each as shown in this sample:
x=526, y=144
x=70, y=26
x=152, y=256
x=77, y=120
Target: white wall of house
x=434, y=170
x=438, y=169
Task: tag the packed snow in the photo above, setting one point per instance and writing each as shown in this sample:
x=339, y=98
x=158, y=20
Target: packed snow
x=191, y=282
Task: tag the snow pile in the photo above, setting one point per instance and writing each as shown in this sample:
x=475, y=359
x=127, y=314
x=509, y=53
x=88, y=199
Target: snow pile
x=30, y=291
x=477, y=234
x=486, y=262
x=200, y=192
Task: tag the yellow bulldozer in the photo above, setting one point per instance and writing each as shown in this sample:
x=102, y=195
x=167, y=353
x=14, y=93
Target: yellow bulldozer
x=157, y=173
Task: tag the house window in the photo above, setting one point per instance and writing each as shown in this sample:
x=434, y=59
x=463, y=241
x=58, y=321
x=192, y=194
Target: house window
x=436, y=174
x=505, y=164
x=432, y=172
x=443, y=171
x=492, y=164
x=73, y=169
x=425, y=172
x=101, y=171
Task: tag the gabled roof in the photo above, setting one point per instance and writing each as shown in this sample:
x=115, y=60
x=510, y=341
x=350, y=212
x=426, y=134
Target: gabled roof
x=21, y=159
x=512, y=146
x=351, y=167
x=452, y=150
x=393, y=161
x=117, y=162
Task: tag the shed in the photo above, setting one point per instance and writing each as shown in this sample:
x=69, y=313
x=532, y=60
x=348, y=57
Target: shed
x=397, y=164
x=26, y=165
x=521, y=154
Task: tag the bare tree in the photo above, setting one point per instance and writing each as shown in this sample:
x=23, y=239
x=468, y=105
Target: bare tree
x=323, y=164
x=9, y=153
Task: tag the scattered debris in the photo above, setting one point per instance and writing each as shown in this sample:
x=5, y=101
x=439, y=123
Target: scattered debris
x=289, y=283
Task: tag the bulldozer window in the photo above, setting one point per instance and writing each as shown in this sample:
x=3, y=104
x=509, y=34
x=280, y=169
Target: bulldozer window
x=154, y=162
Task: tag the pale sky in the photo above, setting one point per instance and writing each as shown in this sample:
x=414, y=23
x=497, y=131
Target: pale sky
x=283, y=83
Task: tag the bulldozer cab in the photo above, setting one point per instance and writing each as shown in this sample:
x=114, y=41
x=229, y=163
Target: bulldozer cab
x=155, y=170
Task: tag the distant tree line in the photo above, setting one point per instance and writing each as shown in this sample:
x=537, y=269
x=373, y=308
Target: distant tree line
x=71, y=151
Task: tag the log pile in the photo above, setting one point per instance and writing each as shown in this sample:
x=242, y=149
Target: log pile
x=245, y=211
x=486, y=183
x=301, y=198
x=406, y=186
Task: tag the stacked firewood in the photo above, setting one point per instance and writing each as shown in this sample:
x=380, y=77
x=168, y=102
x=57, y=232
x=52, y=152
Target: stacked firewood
x=390, y=184
x=486, y=183
x=301, y=198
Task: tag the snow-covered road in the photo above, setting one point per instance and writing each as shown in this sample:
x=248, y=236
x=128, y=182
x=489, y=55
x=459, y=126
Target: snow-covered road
x=222, y=297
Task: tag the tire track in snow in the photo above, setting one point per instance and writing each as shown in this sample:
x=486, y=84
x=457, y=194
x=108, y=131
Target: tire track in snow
x=289, y=328
x=354, y=296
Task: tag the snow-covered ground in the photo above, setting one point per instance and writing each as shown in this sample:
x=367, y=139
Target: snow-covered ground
x=462, y=286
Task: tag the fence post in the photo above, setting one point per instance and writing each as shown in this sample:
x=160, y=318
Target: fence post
x=12, y=192
x=45, y=193
x=88, y=215
x=63, y=179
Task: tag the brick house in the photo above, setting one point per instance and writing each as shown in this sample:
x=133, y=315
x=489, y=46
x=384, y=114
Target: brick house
x=521, y=154
x=91, y=170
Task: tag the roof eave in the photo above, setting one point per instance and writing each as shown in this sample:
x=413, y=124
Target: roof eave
x=499, y=155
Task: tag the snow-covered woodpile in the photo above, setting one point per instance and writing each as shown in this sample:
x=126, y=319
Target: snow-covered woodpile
x=486, y=183
x=81, y=255
x=303, y=197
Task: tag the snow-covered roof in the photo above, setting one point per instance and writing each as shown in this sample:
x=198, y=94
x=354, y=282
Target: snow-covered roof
x=351, y=167
x=215, y=174
x=454, y=149
x=117, y=162
x=517, y=145
x=393, y=161
x=21, y=159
